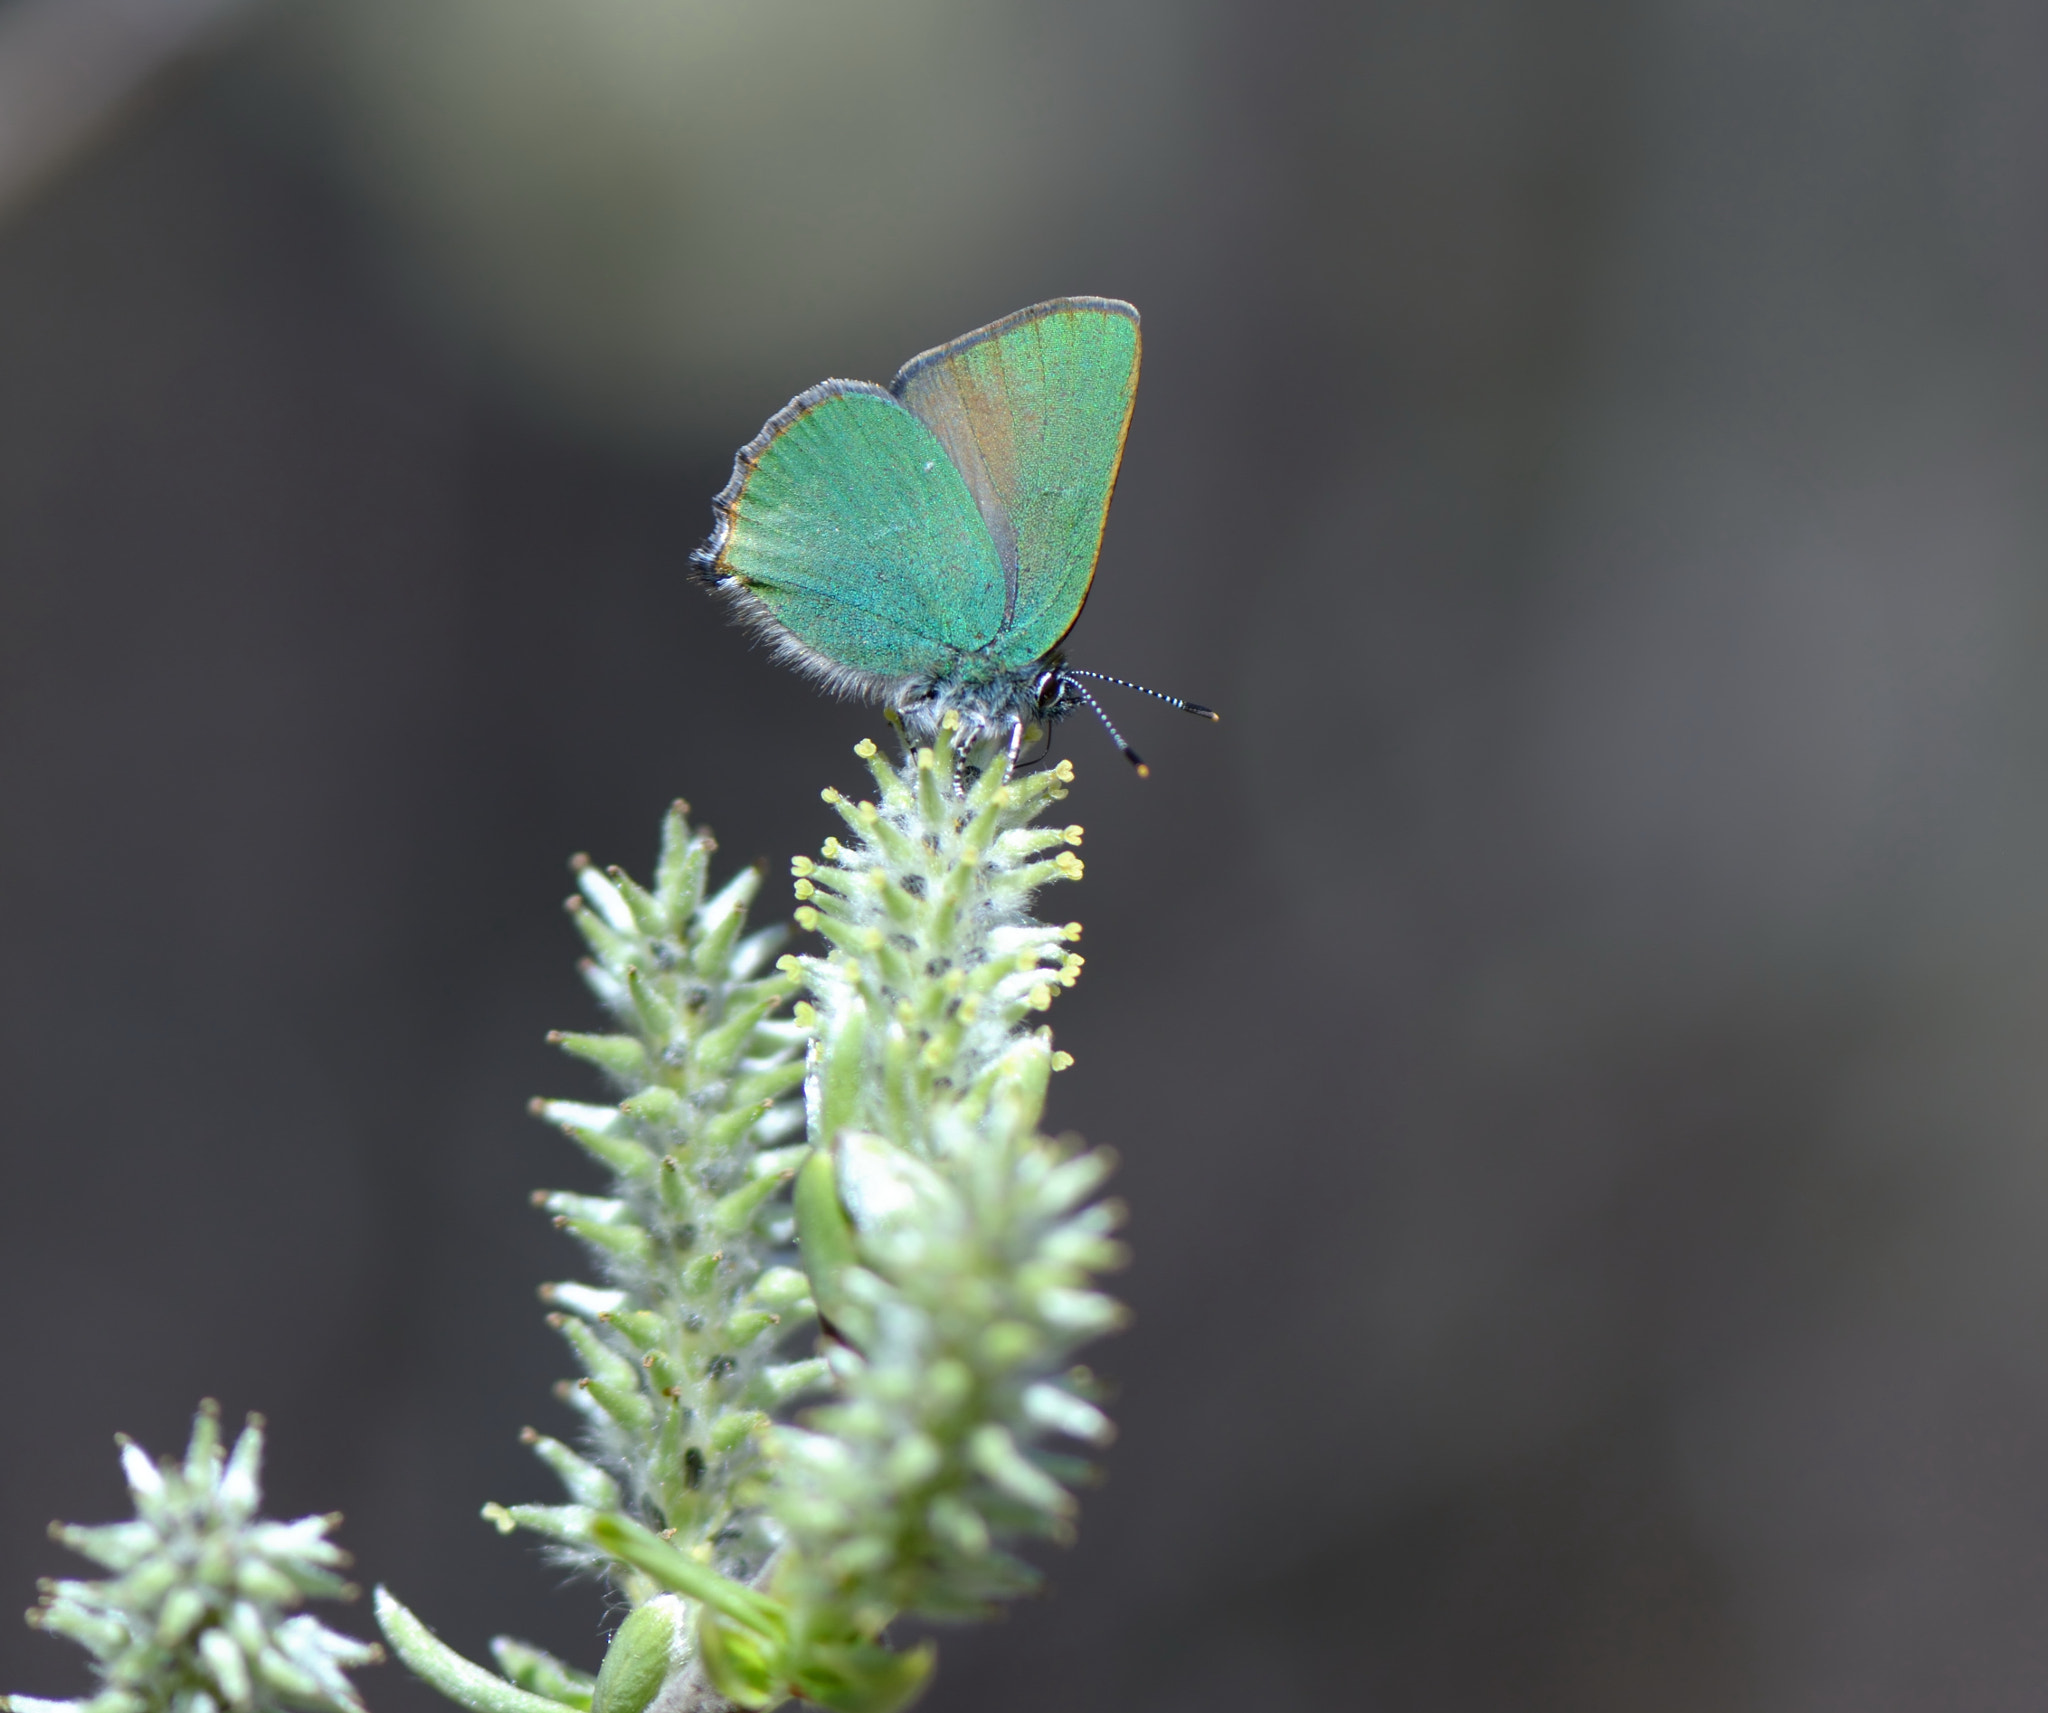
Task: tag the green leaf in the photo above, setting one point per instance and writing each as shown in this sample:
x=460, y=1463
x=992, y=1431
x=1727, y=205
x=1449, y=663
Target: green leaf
x=435, y=1663
x=626, y=1540
x=826, y=1237
x=859, y=1677
x=740, y=1665
x=537, y=1670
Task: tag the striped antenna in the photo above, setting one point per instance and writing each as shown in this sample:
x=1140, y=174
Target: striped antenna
x=1194, y=708
x=1109, y=725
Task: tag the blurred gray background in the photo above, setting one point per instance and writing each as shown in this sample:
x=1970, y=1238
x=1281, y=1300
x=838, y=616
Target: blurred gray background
x=1575, y=1033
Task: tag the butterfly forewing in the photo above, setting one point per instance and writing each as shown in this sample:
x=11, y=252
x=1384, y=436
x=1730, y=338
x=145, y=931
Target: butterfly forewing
x=850, y=525
x=1032, y=411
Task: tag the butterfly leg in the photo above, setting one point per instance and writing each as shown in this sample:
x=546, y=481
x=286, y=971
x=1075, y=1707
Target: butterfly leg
x=1016, y=744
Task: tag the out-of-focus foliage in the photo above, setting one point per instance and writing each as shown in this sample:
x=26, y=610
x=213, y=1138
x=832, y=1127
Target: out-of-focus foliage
x=199, y=1615
x=646, y=206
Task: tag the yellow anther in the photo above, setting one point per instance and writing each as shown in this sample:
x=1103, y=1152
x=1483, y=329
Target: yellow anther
x=1069, y=865
x=802, y=865
x=807, y=918
x=1073, y=834
x=925, y=760
x=832, y=849
x=831, y=796
x=805, y=1014
x=1072, y=931
x=1064, y=773
x=804, y=889
x=1061, y=1061
x=950, y=721
x=1041, y=997
x=788, y=963
x=865, y=749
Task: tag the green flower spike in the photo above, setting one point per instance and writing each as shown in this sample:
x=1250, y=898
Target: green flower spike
x=683, y=1341
x=952, y=1244
x=680, y=1345
x=193, y=1619
x=948, y=1255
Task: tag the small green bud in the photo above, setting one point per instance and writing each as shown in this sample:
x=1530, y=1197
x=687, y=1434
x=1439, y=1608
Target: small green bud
x=730, y=1127
x=182, y=1611
x=958, y=1524
x=621, y=1154
x=627, y=1242
x=995, y=1454
x=679, y=870
x=734, y=1427
x=655, y=1105
x=780, y=1288
x=227, y=1666
x=649, y=919
x=642, y=1329
x=787, y=1381
x=914, y=1460
x=735, y=1212
x=748, y=1325
x=658, y=1018
x=1010, y=1343
x=620, y=1056
x=626, y=1405
x=1051, y=1407
x=590, y=1303
x=582, y=1480
x=670, y=1187
x=639, y=1660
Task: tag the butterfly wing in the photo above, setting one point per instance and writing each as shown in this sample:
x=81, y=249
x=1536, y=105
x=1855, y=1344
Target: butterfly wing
x=1032, y=410
x=850, y=537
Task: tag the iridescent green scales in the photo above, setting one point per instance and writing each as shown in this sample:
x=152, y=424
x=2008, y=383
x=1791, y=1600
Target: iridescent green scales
x=930, y=545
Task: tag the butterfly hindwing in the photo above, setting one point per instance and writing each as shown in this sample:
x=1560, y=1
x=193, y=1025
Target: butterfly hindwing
x=1032, y=410
x=850, y=529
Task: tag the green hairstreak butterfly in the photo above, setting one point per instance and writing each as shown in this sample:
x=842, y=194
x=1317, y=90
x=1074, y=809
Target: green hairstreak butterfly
x=929, y=544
